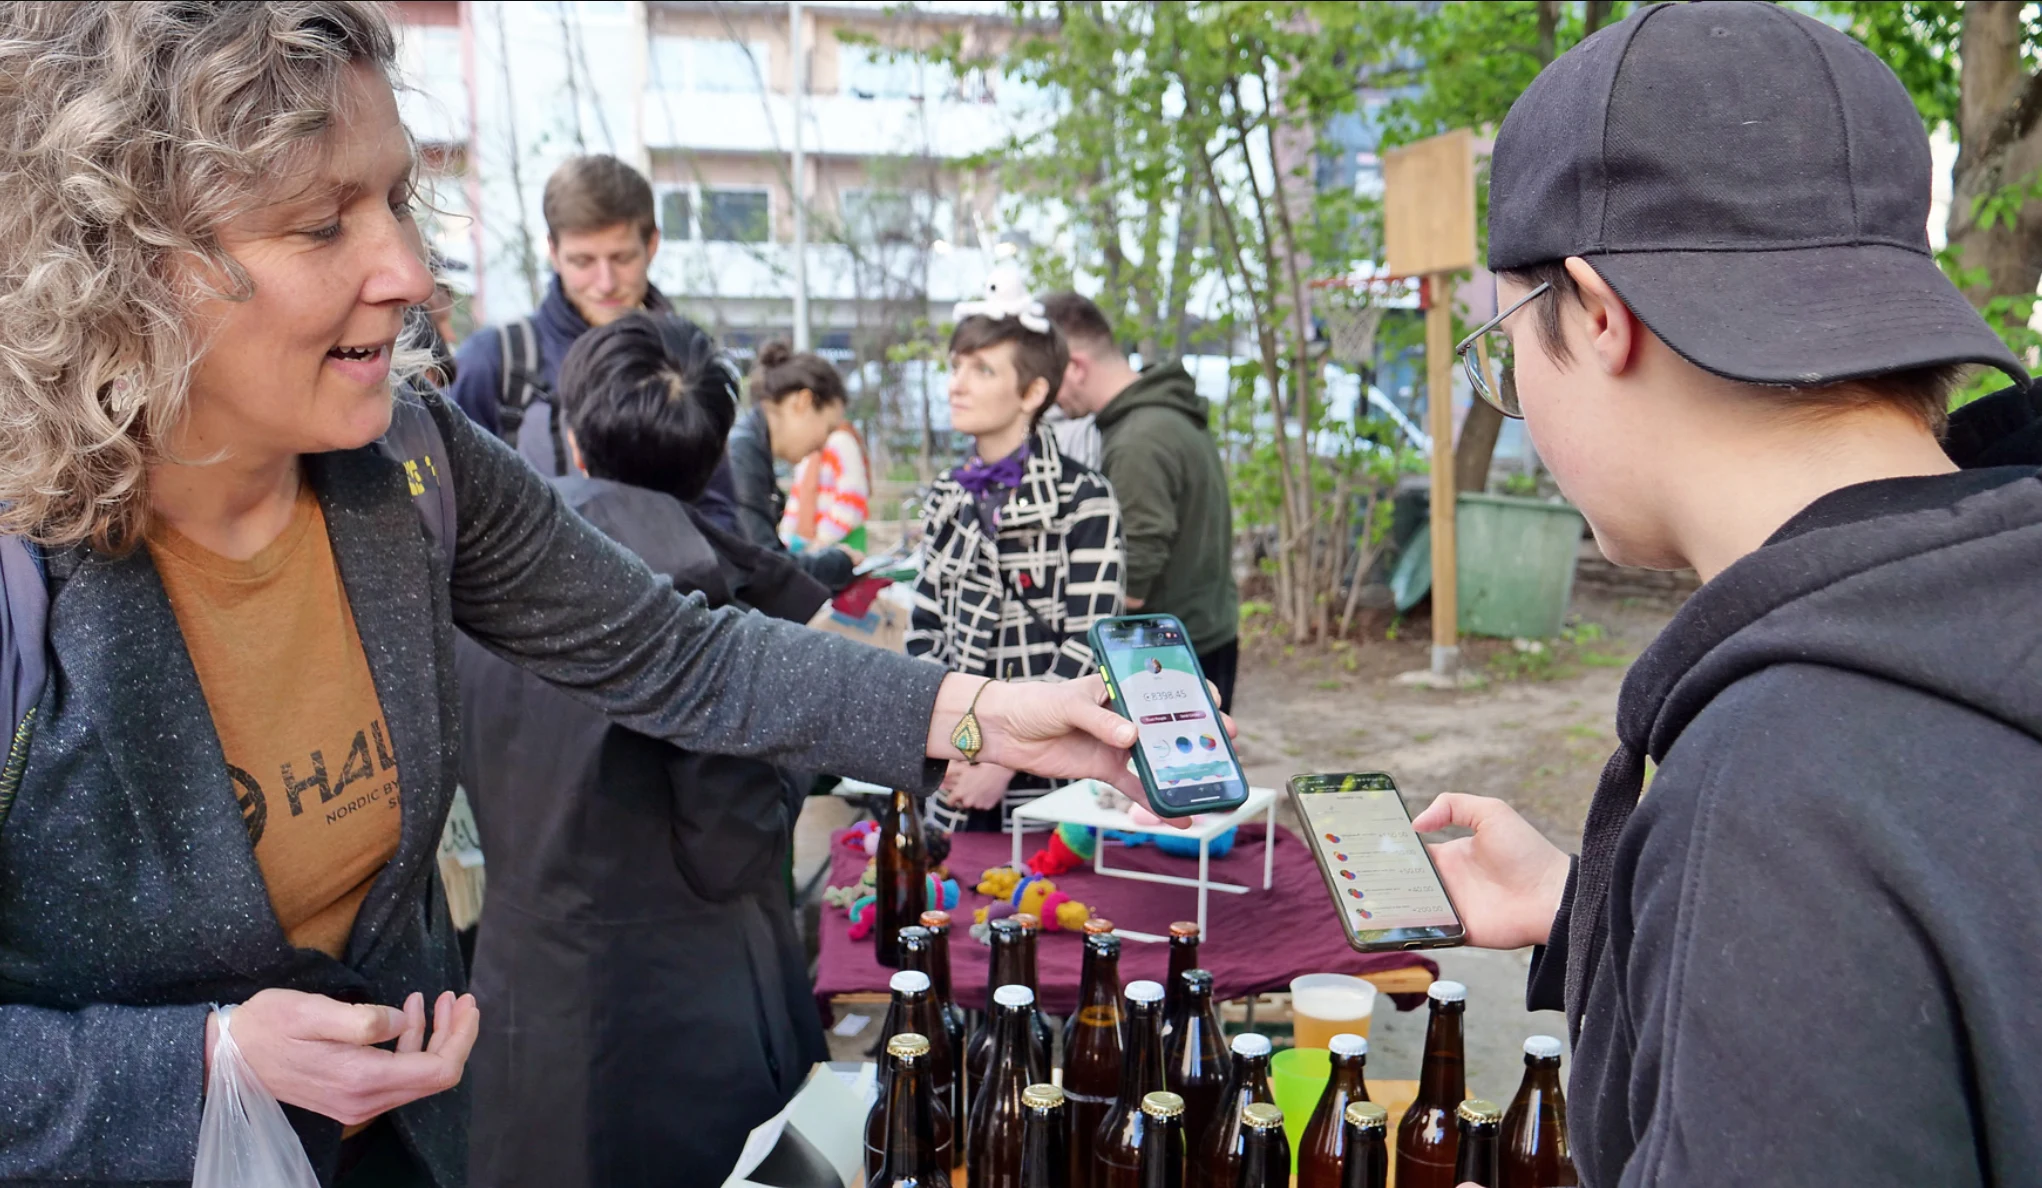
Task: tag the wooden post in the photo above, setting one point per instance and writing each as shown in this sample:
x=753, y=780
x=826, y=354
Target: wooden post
x=1429, y=230
x=1439, y=364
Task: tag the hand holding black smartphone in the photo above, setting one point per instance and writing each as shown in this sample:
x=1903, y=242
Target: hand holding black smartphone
x=1381, y=876
x=1182, y=753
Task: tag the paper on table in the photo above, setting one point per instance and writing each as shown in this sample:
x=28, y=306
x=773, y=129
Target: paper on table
x=827, y=1116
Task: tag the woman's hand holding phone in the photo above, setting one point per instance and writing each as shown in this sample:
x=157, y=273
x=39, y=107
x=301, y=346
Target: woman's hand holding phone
x=1506, y=881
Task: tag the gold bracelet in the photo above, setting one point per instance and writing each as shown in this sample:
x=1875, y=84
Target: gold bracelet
x=969, y=738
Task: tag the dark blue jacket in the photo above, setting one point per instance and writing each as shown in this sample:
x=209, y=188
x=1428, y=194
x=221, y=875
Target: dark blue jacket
x=478, y=387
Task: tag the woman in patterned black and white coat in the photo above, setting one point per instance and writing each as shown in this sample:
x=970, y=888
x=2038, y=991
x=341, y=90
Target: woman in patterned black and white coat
x=1024, y=550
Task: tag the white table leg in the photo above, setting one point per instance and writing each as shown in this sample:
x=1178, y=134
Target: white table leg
x=1204, y=879
x=1014, y=825
x=1269, y=848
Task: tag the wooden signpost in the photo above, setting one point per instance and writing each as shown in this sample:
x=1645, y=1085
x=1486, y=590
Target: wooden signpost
x=1429, y=232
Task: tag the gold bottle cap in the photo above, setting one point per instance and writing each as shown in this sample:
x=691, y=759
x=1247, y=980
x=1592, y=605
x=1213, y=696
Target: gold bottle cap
x=1042, y=1097
x=1261, y=1115
x=1029, y=921
x=935, y=919
x=1162, y=1105
x=1367, y=1115
x=1097, y=926
x=907, y=1043
x=1184, y=928
x=1477, y=1111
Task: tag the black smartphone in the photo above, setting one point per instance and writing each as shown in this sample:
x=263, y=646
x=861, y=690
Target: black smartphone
x=1182, y=753
x=1380, y=875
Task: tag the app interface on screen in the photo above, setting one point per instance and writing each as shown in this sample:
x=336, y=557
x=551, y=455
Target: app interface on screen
x=1183, y=741
x=1380, y=874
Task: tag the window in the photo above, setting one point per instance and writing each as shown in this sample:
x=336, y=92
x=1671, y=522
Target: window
x=736, y=216
x=676, y=214
x=706, y=64
x=892, y=216
x=872, y=72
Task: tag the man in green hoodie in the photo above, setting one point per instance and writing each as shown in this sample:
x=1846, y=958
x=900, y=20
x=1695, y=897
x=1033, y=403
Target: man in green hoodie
x=1165, y=469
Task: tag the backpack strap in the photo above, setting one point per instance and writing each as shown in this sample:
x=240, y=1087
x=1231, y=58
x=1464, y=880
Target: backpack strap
x=521, y=373
x=415, y=442
x=24, y=655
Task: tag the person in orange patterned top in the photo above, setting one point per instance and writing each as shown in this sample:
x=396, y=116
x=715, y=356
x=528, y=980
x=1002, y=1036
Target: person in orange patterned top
x=828, y=505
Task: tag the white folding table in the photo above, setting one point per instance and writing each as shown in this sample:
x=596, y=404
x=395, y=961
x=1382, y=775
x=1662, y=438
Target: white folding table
x=1078, y=804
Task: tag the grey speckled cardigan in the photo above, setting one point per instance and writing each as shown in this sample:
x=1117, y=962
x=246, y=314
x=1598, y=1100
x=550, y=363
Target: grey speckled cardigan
x=130, y=897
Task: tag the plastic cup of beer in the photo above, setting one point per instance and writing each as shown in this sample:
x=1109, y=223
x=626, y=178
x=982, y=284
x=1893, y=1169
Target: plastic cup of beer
x=1324, y=1005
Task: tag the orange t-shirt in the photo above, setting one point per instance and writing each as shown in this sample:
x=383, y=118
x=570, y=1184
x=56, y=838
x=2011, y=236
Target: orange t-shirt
x=308, y=755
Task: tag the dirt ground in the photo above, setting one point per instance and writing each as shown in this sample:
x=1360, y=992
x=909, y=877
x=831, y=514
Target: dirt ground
x=1536, y=732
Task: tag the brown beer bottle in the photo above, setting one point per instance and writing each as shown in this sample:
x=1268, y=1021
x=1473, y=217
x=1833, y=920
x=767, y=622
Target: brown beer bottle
x=1031, y=931
x=1368, y=1152
x=908, y=1113
x=1481, y=1123
x=1216, y=1161
x=1534, y=1143
x=913, y=1010
x=1427, y=1137
x=1118, y=1153
x=1162, y=1141
x=992, y=1153
x=1005, y=970
x=1045, y=1138
x=1092, y=1052
x=938, y=924
x=918, y=953
x=1265, y=1149
x=1195, y=1055
x=903, y=875
x=1183, y=959
x=1322, y=1148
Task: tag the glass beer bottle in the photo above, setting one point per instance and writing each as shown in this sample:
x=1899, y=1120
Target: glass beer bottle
x=1368, y=1152
x=1045, y=1138
x=1118, y=1155
x=903, y=875
x=992, y=1152
x=1004, y=970
x=1195, y=1055
x=1162, y=1141
x=1031, y=931
x=1534, y=1144
x=918, y=954
x=1322, y=1148
x=908, y=1113
x=1481, y=1123
x=1183, y=958
x=1217, y=1161
x=1092, y=1052
x=1265, y=1148
x=938, y=924
x=913, y=1009
x=1427, y=1137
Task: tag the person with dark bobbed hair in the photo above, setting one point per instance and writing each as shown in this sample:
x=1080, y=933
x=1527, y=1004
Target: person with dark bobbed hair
x=638, y=929
x=798, y=400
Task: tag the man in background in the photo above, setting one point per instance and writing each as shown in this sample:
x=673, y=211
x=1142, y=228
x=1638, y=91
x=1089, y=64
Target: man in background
x=1158, y=452
x=601, y=237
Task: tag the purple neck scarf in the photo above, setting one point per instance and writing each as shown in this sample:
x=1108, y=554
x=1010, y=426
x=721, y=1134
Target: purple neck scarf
x=982, y=478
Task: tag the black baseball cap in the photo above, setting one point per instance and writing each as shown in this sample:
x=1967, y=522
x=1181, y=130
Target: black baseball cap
x=1752, y=182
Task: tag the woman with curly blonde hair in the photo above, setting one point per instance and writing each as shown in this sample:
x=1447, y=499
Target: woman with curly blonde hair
x=240, y=765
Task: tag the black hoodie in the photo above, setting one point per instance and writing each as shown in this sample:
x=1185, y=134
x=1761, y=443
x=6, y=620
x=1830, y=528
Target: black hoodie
x=1819, y=957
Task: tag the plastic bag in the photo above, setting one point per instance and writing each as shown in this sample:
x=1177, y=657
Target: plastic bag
x=244, y=1139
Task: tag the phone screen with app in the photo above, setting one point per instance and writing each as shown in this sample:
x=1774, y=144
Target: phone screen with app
x=1185, y=756
x=1381, y=878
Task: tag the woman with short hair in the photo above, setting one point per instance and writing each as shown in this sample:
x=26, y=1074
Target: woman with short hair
x=231, y=787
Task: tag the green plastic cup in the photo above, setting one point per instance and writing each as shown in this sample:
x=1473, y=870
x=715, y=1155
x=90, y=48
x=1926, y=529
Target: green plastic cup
x=1298, y=1077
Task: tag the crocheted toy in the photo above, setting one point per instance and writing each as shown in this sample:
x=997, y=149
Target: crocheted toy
x=1069, y=848
x=1006, y=297
x=1034, y=895
x=864, y=917
x=1061, y=912
x=1175, y=847
x=862, y=836
x=999, y=882
x=942, y=892
x=844, y=897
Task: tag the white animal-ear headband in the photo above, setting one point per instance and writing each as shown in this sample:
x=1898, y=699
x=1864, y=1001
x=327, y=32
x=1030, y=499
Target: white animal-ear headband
x=1006, y=297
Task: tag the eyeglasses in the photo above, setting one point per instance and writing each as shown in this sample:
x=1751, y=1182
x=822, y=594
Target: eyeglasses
x=1474, y=353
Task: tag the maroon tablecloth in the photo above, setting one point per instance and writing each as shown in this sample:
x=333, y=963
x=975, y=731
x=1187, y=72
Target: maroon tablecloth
x=1254, y=943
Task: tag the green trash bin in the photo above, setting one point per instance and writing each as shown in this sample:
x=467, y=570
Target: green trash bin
x=1516, y=565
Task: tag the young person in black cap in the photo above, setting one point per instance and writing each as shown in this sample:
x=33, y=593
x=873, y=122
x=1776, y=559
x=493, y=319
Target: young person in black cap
x=1809, y=955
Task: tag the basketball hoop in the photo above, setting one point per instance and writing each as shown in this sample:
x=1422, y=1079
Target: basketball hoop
x=1353, y=309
